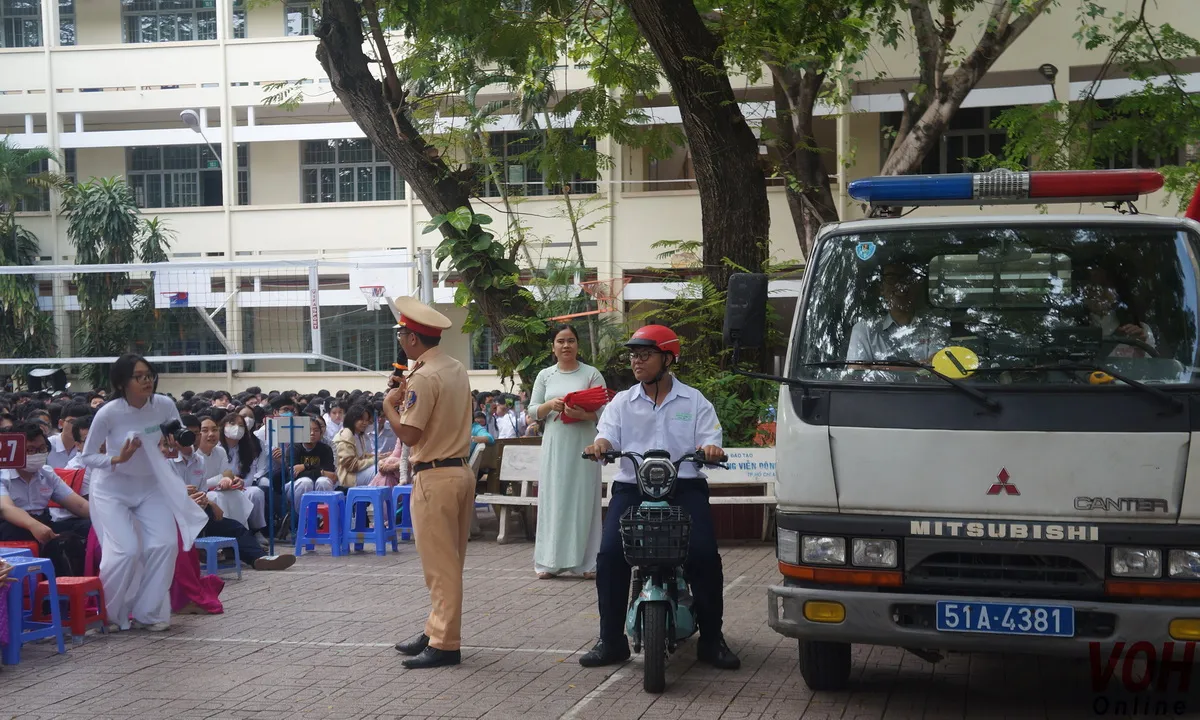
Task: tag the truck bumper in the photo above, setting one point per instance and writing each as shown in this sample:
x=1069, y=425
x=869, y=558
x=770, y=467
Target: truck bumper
x=907, y=620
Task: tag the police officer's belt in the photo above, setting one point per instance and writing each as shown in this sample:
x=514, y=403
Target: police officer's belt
x=450, y=462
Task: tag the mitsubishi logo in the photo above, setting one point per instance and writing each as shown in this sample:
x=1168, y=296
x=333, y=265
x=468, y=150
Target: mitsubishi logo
x=1002, y=486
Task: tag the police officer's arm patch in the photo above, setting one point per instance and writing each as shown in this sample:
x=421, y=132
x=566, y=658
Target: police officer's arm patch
x=411, y=400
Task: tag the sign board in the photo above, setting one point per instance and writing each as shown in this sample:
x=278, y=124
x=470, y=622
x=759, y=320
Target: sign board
x=12, y=451
x=181, y=288
x=292, y=430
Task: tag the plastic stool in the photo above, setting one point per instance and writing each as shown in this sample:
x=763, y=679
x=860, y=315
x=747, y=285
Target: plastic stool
x=80, y=612
x=22, y=629
x=212, y=547
x=15, y=552
x=355, y=522
x=402, y=506
x=32, y=547
x=308, y=536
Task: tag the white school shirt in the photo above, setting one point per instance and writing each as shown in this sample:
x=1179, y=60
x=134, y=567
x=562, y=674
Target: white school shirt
x=683, y=422
x=59, y=457
x=116, y=421
x=507, y=424
x=216, y=463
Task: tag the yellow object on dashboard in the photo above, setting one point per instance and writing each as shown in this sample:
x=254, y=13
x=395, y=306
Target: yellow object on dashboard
x=956, y=362
x=1100, y=378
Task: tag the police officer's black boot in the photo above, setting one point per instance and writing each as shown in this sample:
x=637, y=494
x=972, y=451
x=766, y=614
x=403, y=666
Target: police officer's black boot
x=414, y=646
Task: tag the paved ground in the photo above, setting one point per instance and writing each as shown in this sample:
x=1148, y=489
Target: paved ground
x=316, y=642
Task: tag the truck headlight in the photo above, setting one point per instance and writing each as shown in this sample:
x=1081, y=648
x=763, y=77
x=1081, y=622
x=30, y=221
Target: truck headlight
x=787, y=546
x=868, y=552
x=1136, y=562
x=1183, y=563
x=823, y=550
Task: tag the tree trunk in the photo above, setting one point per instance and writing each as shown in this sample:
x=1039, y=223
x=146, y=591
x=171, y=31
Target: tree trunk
x=809, y=193
x=928, y=113
x=734, y=213
x=382, y=114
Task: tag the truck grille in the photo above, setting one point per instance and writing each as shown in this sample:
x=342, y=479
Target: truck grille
x=1005, y=574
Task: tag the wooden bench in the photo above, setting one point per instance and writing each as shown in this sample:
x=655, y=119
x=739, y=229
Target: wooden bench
x=520, y=464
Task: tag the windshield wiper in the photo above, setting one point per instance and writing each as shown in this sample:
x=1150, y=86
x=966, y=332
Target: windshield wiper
x=1076, y=366
x=975, y=394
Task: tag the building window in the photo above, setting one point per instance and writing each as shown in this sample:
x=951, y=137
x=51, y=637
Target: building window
x=66, y=22
x=181, y=176
x=42, y=202
x=482, y=349
x=969, y=136
x=150, y=21
x=22, y=20
x=346, y=171
x=514, y=155
x=299, y=18
x=1133, y=155
x=359, y=336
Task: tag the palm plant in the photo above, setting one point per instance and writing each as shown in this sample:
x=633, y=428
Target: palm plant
x=25, y=331
x=105, y=227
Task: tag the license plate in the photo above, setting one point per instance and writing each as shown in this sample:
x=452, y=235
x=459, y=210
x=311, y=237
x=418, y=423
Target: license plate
x=1006, y=618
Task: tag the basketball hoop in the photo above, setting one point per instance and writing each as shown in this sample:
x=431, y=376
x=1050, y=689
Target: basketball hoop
x=604, y=292
x=373, y=294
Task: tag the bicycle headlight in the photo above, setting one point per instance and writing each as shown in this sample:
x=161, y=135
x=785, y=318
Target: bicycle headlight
x=656, y=477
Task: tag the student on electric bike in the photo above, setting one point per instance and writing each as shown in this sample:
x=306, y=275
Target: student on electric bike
x=661, y=413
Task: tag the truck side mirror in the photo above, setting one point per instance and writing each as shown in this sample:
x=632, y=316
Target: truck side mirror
x=746, y=310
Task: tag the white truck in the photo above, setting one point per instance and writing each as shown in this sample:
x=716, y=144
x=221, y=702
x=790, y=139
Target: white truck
x=984, y=432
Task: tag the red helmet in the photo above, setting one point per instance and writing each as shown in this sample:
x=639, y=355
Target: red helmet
x=659, y=337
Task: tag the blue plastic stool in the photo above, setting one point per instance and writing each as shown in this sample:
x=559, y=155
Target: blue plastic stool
x=307, y=536
x=402, y=504
x=212, y=546
x=15, y=552
x=382, y=531
x=21, y=626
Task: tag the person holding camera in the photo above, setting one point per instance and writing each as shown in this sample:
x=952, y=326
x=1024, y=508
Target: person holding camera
x=136, y=501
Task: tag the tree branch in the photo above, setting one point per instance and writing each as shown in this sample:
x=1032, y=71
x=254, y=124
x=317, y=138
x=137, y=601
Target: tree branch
x=395, y=91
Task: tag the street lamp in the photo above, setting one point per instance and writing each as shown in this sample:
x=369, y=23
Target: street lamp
x=1050, y=72
x=191, y=119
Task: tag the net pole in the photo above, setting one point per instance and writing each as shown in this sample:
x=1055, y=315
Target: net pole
x=314, y=303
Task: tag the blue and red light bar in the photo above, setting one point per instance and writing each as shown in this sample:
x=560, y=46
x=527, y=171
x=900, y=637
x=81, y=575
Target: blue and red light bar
x=1005, y=186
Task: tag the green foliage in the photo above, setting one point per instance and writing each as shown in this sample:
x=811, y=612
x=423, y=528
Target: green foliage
x=25, y=331
x=1156, y=120
x=105, y=227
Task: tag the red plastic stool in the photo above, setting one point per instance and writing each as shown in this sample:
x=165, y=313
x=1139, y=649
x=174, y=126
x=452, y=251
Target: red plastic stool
x=22, y=544
x=81, y=612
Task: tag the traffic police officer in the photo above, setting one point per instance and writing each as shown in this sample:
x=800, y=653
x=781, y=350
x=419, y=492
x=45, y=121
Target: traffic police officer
x=431, y=413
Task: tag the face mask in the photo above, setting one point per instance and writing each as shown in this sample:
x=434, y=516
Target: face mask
x=234, y=432
x=249, y=423
x=34, y=462
x=286, y=413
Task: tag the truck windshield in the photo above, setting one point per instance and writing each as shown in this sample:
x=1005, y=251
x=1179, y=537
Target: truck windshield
x=1010, y=302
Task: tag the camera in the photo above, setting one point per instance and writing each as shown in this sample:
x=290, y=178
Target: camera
x=175, y=430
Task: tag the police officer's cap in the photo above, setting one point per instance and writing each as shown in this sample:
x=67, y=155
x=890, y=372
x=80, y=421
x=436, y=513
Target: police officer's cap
x=420, y=318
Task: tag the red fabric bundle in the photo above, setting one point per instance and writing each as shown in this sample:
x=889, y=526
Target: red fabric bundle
x=589, y=400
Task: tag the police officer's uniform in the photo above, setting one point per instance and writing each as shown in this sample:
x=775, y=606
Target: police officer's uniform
x=438, y=402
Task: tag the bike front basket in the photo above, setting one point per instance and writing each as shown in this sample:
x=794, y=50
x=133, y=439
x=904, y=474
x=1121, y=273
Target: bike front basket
x=655, y=536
